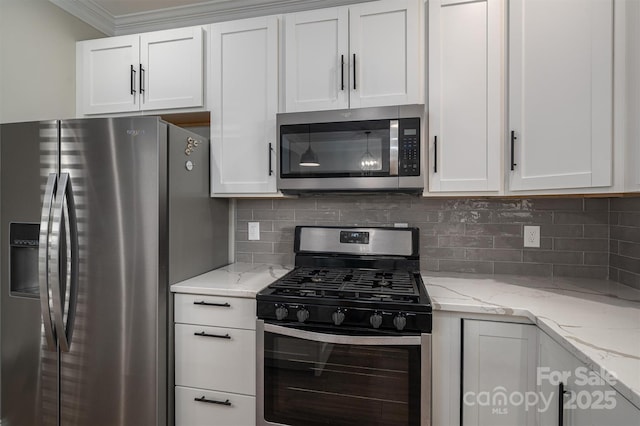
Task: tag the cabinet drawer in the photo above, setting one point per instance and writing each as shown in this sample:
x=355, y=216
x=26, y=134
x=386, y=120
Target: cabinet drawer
x=189, y=412
x=221, y=359
x=216, y=311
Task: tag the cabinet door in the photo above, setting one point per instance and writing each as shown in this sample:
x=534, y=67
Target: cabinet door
x=317, y=60
x=632, y=44
x=588, y=398
x=385, y=63
x=244, y=105
x=171, y=68
x=109, y=75
x=464, y=95
x=560, y=88
x=499, y=361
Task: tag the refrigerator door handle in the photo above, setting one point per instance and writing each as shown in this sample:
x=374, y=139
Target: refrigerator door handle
x=43, y=262
x=65, y=287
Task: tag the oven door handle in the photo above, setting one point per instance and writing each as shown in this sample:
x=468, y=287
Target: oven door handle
x=341, y=339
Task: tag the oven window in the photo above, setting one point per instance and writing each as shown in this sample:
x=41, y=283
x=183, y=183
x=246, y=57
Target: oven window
x=348, y=149
x=310, y=383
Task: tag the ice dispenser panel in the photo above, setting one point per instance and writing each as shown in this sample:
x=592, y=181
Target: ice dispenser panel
x=23, y=254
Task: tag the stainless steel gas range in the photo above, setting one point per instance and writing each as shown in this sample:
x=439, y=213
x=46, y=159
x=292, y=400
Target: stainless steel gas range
x=345, y=337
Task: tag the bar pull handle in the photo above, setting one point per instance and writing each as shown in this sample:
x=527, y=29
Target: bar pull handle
x=203, y=303
x=63, y=233
x=354, y=73
x=513, y=153
x=561, y=393
x=270, y=164
x=43, y=261
x=435, y=154
x=133, y=80
x=141, y=79
x=341, y=72
x=217, y=336
x=213, y=401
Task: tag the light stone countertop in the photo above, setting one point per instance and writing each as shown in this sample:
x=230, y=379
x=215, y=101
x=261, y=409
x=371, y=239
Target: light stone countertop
x=234, y=280
x=596, y=320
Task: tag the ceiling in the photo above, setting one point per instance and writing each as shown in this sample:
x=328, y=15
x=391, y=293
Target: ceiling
x=116, y=17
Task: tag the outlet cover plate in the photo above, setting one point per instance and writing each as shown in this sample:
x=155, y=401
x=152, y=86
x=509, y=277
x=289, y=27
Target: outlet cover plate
x=254, y=231
x=532, y=236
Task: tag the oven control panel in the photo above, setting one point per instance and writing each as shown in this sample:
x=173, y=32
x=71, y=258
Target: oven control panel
x=341, y=317
x=354, y=237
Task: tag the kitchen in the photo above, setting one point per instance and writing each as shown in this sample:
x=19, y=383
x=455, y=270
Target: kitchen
x=579, y=236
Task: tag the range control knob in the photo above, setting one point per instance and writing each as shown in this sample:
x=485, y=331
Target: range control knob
x=281, y=312
x=400, y=321
x=376, y=320
x=302, y=314
x=338, y=317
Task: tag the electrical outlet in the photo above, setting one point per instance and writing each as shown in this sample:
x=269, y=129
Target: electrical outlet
x=401, y=225
x=254, y=231
x=532, y=236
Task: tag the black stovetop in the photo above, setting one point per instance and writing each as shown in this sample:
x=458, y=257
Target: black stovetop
x=345, y=290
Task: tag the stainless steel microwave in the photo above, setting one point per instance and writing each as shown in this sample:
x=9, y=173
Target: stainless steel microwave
x=366, y=149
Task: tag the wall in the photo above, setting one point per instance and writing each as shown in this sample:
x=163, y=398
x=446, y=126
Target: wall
x=456, y=235
x=37, y=60
x=624, y=259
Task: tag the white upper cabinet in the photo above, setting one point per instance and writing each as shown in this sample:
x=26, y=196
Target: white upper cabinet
x=244, y=93
x=317, y=58
x=385, y=53
x=158, y=70
x=560, y=94
x=632, y=43
x=108, y=74
x=171, y=69
x=357, y=56
x=465, y=95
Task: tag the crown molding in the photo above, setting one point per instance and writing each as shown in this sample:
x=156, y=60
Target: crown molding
x=184, y=16
x=90, y=13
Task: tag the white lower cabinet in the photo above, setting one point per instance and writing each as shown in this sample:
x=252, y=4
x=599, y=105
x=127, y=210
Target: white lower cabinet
x=587, y=397
x=478, y=360
x=490, y=372
x=199, y=407
x=499, y=362
x=215, y=360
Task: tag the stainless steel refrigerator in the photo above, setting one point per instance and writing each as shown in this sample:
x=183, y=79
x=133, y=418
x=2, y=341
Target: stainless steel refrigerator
x=97, y=218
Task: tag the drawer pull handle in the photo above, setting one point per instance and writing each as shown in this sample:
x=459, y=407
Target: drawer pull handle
x=219, y=336
x=213, y=401
x=203, y=303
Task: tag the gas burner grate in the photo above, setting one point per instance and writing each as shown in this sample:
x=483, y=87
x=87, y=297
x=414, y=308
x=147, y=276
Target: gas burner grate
x=356, y=284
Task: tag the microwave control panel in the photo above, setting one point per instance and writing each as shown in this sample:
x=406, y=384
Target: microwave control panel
x=409, y=147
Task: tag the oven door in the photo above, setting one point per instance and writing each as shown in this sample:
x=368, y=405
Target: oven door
x=309, y=377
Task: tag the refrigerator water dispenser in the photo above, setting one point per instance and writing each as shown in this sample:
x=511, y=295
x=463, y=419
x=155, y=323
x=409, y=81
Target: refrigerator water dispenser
x=23, y=253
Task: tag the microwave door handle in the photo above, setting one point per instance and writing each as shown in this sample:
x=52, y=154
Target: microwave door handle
x=393, y=147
